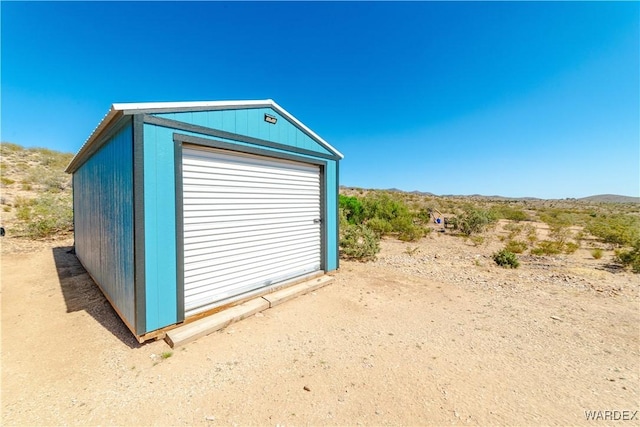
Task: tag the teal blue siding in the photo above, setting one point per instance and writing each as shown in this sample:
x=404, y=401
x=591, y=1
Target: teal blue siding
x=103, y=219
x=165, y=136
x=250, y=122
x=159, y=228
x=107, y=216
x=331, y=208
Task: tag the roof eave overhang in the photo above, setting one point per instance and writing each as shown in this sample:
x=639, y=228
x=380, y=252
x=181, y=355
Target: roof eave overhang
x=119, y=110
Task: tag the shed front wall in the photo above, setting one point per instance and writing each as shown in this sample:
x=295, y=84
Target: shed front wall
x=163, y=227
x=103, y=220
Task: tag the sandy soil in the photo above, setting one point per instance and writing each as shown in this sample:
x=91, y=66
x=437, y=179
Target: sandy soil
x=432, y=334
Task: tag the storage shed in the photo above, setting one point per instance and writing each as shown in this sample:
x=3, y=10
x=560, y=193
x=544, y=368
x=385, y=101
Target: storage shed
x=181, y=208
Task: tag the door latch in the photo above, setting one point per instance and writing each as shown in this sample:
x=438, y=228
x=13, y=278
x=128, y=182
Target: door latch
x=317, y=221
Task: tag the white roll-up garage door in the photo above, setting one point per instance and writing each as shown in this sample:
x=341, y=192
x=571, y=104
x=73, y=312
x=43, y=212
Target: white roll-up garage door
x=249, y=222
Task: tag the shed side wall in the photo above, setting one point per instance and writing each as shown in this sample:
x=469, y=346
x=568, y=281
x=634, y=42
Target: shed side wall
x=103, y=219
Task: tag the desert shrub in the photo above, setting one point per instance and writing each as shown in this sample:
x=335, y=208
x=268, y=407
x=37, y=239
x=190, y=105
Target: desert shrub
x=45, y=216
x=532, y=235
x=514, y=229
x=384, y=214
x=510, y=213
x=406, y=229
x=384, y=206
x=570, y=247
x=630, y=258
x=596, y=253
x=559, y=233
x=616, y=229
x=505, y=258
x=353, y=209
x=474, y=221
x=358, y=242
x=6, y=181
x=476, y=240
x=516, y=246
x=380, y=226
x=554, y=247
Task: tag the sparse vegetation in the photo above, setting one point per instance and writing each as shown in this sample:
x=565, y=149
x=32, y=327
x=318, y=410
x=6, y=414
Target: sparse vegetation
x=506, y=259
x=516, y=246
x=630, y=258
x=359, y=242
x=596, y=253
x=39, y=171
x=474, y=220
x=45, y=216
x=617, y=229
x=411, y=250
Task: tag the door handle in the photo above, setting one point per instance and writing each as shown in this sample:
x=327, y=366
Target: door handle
x=317, y=221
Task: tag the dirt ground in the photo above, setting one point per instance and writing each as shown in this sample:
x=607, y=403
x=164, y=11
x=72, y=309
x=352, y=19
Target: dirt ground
x=432, y=333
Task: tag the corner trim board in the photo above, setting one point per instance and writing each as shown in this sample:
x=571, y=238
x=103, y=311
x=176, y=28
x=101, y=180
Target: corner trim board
x=138, y=221
x=177, y=152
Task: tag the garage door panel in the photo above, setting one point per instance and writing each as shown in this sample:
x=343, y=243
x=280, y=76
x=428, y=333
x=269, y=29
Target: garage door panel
x=247, y=251
x=249, y=221
x=205, y=236
x=197, y=220
x=241, y=237
x=219, y=273
x=248, y=162
x=263, y=276
x=240, y=173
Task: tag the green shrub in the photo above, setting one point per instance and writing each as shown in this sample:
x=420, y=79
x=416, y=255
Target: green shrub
x=617, y=229
x=630, y=258
x=507, y=259
x=554, y=247
x=359, y=242
x=379, y=226
x=516, y=246
x=384, y=213
x=406, y=229
x=353, y=209
x=507, y=212
x=6, y=181
x=596, y=253
x=474, y=221
x=384, y=206
x=570, y=247
x=547, y=247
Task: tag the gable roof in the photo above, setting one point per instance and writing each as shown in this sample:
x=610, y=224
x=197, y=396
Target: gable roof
x=119, y=109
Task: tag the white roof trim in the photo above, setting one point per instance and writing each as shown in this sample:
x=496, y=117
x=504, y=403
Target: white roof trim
x=129, y=108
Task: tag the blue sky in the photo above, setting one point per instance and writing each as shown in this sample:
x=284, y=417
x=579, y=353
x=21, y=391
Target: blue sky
x=497, y=98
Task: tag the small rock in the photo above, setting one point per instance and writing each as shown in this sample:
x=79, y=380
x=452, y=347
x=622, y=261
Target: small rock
x=210, y=418
x=306, y=388
x=556, y=318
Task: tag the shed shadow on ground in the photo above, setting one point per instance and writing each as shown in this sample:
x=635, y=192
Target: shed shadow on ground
x=81, y=293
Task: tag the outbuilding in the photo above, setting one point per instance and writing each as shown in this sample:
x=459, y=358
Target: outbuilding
x=181, y=208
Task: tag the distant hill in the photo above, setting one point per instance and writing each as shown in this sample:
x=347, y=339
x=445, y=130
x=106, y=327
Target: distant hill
x=599, y=198
x=610, y=198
